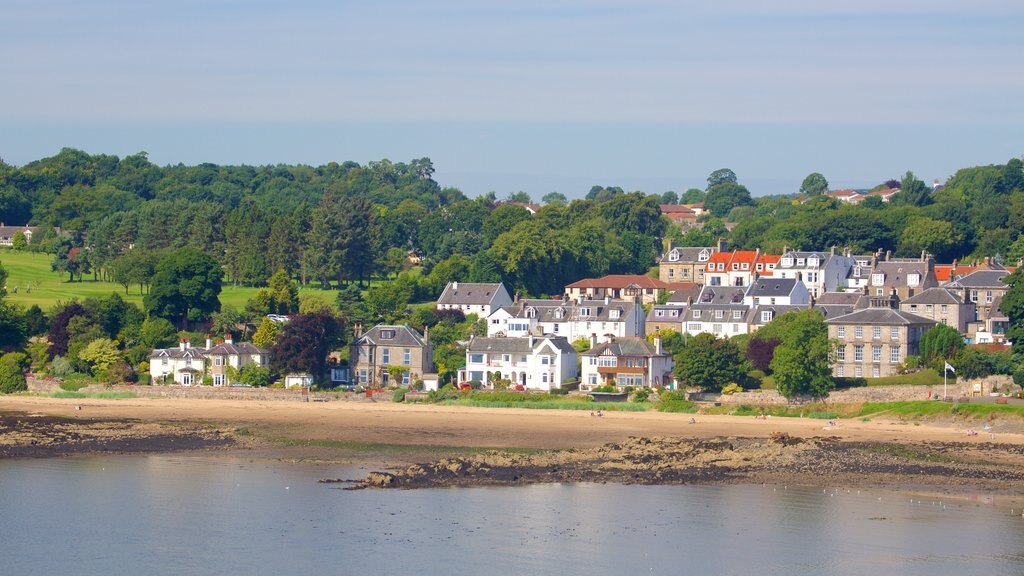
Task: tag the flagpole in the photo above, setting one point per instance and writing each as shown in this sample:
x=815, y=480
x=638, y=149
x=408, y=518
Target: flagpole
x=945, y=375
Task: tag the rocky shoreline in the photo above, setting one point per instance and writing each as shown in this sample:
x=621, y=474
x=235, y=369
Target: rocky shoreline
x=779, y=459
x=39, y=436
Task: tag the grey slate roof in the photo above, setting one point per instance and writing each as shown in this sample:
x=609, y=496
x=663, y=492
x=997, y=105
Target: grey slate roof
x=668, y=313
x=839, y=298
x=687, y=254
x=402, y=336
x=625, y=346
x=178, y=353
x=896, y=271
x=519, y=345
x=683, y=295
x=470, y=293
x=241, y=348
x=767, y=287
x=981, y=279
x=719, y=295
x=934, y=295
x=776, y=309
x=880, y=316
x=797, y=255
x=570, y=310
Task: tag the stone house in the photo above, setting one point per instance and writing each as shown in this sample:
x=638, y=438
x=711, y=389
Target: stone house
x=386, y=346
x=228, y=354
x=941, y=305
x=874, y=342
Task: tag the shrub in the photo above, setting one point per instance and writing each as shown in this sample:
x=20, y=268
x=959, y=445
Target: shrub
x=675, y=402
x=61, y=367
x=12, y=379
x=731, y=389
x=605, y=388
x=399, y=395
x=641, y=395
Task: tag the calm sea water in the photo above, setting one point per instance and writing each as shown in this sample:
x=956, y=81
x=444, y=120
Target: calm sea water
x=221, y=515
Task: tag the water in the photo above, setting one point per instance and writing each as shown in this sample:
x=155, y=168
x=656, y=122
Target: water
x=219, y=515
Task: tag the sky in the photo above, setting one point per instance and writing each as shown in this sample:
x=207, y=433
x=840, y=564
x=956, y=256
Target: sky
x=535, y=96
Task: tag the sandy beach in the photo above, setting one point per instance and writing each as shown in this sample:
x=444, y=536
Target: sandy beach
x=426, y=442
x=454, y=426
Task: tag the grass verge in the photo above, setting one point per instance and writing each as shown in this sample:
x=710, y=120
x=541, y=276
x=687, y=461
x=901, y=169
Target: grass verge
x=100, y=395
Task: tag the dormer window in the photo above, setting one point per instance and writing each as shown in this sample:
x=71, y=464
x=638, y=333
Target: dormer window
x=800, y=261
x=584, y=312
x=673, y=256
x=531, y=312
x=721, y=266
x=746, y=266
x=813, y=262
x=913, y=279
x=703, y=256
x=735, y=266
x=613, y=314
x=878, y=279
x=387, y=334
x=787, y=261
x=760, y=267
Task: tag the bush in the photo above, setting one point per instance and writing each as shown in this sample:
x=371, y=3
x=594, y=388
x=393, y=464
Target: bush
x=675, y=402
x=606, y=388
x=399, y=395
x=12, y=379
x=61, y=367
x=641, y=395
x=731, y=389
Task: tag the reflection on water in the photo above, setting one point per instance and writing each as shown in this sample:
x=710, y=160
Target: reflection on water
x=219, y=515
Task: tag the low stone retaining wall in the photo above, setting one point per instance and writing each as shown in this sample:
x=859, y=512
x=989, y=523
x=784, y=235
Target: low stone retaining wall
x=858, y=395
x=204, y=392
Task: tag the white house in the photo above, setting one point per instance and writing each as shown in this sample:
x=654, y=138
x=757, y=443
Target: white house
x=821, y=272
x=474, y=298
x=719, y=310
x=571, y=319
x=536, y=363
x=183, y=365
x=780, y=291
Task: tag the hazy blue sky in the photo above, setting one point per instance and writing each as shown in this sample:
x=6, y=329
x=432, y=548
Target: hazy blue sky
x=525, y=95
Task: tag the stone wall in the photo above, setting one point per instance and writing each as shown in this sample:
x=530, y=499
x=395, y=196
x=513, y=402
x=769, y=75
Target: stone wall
x=203, y=392
x=956, y=389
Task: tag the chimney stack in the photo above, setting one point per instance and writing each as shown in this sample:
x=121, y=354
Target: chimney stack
x=183, y=344
x=593, y=340
x=426, y=334
x=229, y=339
x=888, y=255
x=657, y=345
x=209, y=341
x=455, y=286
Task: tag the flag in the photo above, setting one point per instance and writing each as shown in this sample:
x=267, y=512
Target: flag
x=950, y=368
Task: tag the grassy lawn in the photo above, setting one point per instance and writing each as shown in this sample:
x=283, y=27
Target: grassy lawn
x=30, y=274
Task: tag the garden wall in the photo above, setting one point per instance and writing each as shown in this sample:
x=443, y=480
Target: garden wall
x=957, y=389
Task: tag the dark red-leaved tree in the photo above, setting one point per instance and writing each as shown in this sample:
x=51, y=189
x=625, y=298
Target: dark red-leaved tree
x=58, y=334
x=760, y=352
x=304, y=343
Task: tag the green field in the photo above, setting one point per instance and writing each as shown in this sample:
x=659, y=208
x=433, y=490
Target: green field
x=30, y=281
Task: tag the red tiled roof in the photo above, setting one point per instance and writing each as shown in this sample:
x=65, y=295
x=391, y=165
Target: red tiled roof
x=842, y=193
x=675, y=209
x=619, y=281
